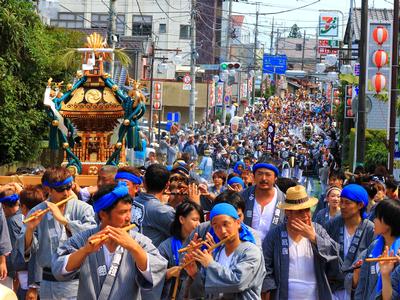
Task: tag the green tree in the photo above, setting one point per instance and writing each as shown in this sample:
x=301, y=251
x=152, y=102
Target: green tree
x=295, y=32
x=30, y=53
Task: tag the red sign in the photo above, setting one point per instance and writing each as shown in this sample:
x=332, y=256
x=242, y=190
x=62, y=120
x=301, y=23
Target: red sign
x=322, y=50
x=187, y=79
x=250, y=85
x=220, y=92
x=211, y=93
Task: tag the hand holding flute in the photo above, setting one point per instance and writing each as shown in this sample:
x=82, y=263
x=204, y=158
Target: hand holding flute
x=197, y=243
x=204, y=257
x=37, y=216
x=102, y=236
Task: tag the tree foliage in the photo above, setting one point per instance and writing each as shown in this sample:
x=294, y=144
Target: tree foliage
x=295, y=32
x=30, y=53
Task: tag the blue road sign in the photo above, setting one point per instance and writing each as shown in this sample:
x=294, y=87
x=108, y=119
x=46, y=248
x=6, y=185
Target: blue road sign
x=274, y=64
x=177, y=117
x=170, y=116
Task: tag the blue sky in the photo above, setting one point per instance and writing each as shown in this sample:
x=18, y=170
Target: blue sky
x=306, y=18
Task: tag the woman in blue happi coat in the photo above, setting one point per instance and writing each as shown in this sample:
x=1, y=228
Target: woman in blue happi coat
x=332, y=210
x=187, y=217
x=353, y=232
x=375, y=280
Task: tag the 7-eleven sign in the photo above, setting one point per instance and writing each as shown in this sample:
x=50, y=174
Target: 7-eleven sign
x=328, y=24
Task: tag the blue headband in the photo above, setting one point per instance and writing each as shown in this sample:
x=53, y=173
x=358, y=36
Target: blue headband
x=228, y=210
x=237, y=165
x=224, y=209
x=129, y=176
x=237, y=180
x=58, y=183
x=358, y=194
x=266, y=166
x=121, y=190
x=12, y=198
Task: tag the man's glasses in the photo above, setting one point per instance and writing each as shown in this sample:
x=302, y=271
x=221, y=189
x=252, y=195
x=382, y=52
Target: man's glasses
x=63, y=188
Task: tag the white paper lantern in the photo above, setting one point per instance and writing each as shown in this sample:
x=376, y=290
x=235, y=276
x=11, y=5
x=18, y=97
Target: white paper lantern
x=346, y=69
x=320, y=67
x=331, y=59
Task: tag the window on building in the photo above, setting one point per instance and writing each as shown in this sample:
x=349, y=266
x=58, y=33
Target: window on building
x=101, y=21
x=184, y=32
x=142, y=25
x=68, y=20
x=162, y=28
x=299, y=47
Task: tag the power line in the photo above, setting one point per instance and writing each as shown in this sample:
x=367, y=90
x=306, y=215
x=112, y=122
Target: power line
x=265, y=14
x=159, y=6
x=166, y=1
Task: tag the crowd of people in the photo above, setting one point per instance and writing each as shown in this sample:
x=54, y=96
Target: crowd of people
x=304, y=146
x=210, y=214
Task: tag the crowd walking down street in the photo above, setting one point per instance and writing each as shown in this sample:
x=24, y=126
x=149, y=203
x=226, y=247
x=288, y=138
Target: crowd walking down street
x=216, y=214
x=190, y=157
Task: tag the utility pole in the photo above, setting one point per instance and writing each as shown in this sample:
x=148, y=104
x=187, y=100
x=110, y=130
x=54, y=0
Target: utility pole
x=255, y=56
x=303, y=49
x=277, y=42
x=227, y=57
x=347, y=121
x=360, y=137
x=112, y=30
x=271, y=47
x=192, y=101
x=150, y=121
x=393, y=93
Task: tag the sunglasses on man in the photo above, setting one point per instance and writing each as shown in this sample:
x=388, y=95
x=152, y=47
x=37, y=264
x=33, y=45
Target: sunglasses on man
x=63, y=188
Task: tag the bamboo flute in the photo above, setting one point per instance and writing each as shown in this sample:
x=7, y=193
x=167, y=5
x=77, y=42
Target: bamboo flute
x=209, y=250
x=35, y=215
x=105, y=237
x=383, y=258
x=193, y=247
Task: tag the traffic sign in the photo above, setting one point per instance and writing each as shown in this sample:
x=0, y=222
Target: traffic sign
x=187, y=79
x=187, y=87
x=187, y=82
x=274, y=64
x=207, y=67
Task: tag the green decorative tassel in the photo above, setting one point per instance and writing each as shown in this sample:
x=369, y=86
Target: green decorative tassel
x=53, y=140
x=130, y=138
x=138, y=140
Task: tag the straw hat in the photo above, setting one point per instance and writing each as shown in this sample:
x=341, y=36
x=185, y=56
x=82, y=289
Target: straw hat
x=297, y=198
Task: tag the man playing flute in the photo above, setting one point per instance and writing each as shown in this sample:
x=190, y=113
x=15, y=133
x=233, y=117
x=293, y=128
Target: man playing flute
x=234, y=270
x=42, y=236
x=113, y=263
